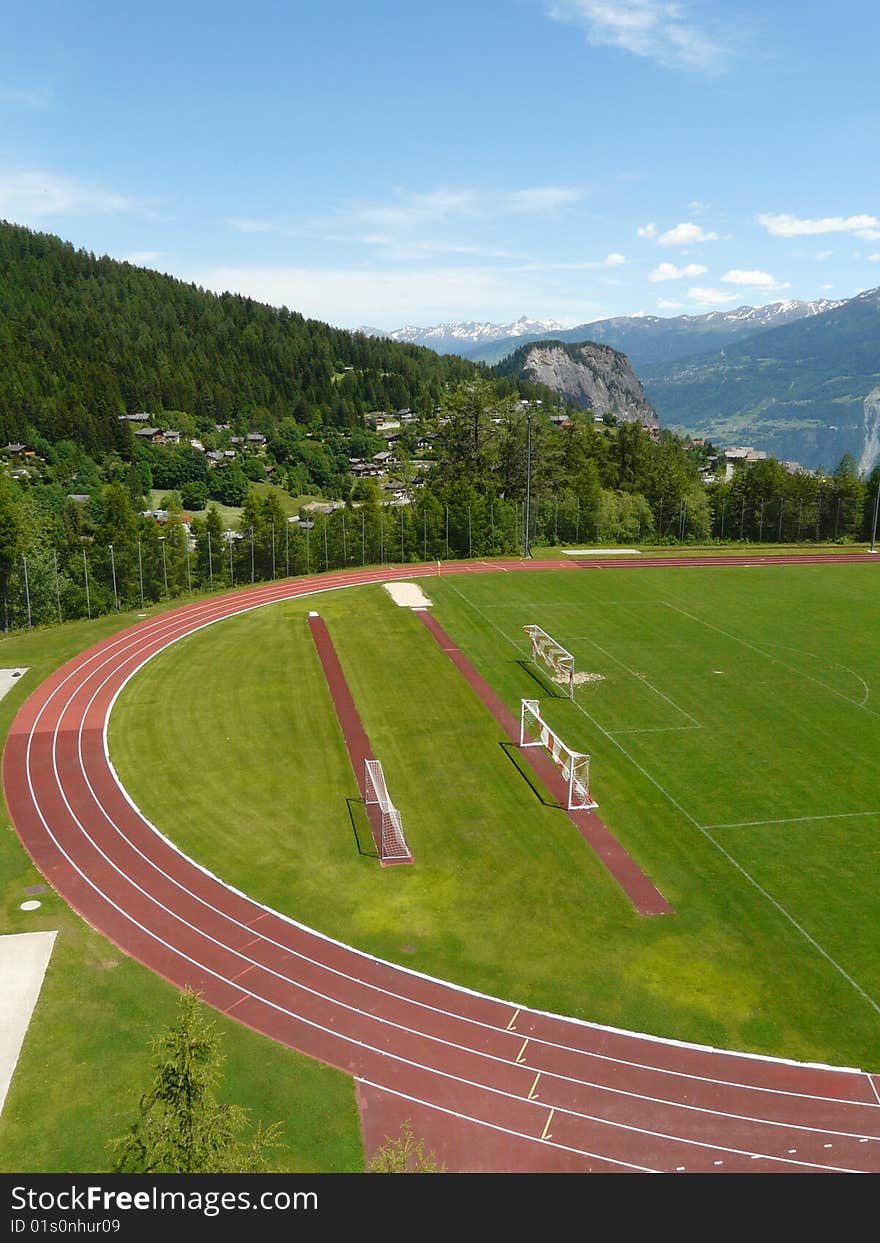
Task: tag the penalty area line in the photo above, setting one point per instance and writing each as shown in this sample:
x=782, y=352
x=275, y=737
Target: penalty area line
x=749, y=824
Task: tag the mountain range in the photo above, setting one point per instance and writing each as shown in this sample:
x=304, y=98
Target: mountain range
x=644, y=339
x=807, y=390
x=468, y=339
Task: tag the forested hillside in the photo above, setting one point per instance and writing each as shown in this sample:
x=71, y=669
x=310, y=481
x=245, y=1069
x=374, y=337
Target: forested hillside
x=85, y=339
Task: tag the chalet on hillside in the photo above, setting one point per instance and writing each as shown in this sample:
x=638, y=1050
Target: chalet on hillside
x=141, y=417
x=151, y=435
x=385, y=458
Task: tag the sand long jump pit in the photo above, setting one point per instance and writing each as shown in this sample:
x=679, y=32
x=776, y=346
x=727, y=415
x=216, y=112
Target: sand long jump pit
x=408, y=595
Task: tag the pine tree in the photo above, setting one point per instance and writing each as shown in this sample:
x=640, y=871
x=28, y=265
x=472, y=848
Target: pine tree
x=181, y=1128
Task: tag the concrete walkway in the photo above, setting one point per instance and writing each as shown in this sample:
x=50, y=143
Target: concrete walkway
x=24, y=957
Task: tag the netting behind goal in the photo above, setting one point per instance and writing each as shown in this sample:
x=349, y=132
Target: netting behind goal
x=392, y=845
x=574, y=765
x=547, y=651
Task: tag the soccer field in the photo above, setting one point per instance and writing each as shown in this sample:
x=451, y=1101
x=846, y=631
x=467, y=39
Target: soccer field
x=733, y=733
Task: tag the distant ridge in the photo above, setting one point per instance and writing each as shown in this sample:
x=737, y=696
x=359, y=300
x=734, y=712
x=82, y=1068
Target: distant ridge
x=808, y=391
x=649, y=339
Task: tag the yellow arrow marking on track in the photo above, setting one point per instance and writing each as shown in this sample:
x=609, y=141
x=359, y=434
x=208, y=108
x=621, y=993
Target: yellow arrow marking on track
x=533, y=1093
x=512, y=1021
x=546, y=1132
x=519, y=1056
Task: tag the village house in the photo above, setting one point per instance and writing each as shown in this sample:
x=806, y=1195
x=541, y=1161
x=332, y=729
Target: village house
x=152, y=435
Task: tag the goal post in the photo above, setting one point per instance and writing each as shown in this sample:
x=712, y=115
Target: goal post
x=547, y=651
x=392, y=842
x=574, y=765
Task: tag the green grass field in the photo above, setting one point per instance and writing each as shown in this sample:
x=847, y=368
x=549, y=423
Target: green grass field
x=734, y=737
x=86, y=1057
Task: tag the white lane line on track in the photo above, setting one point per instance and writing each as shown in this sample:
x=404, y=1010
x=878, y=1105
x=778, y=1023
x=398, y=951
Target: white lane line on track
x=218, y=610
x=702, y=828
x=753, y=1156
x=452, y=1113
x=214, y=973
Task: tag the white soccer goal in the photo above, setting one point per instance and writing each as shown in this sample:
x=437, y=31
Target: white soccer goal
x=392, y=845
x=575, y=765
x=553, y=655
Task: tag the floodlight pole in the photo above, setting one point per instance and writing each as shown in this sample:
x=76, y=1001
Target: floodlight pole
x=141, y=568
x=164, y=565
x=113, y=570
x=874, y=528
x=526, y=515
x=27, y=590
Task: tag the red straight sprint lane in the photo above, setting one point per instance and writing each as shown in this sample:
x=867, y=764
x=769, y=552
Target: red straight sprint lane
x=356, y=741
x=489, y=1085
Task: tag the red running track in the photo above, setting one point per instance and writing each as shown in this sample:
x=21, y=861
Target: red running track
x=489, y=1085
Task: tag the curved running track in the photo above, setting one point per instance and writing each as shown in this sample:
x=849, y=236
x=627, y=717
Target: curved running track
x=490, y=1086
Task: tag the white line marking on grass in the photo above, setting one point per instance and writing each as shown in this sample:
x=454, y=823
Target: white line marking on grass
x=749, y=824
x=640, y=677
x=702, y=828
x=656, y=729
x=784, y=647
x=774, y=659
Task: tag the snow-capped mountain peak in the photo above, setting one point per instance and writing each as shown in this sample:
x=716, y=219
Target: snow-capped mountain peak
x=450, y=338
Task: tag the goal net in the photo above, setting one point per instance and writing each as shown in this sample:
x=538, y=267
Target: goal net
x=547, y=651
x=392, y=843
x=574, y=765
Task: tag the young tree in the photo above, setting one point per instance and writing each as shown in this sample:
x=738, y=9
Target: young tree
x=181, y=1128
x=404, y=1155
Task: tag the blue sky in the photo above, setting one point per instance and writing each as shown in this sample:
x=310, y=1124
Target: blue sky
x=390, y=163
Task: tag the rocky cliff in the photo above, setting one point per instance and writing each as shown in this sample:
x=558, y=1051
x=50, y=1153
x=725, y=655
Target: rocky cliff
x=590, y=376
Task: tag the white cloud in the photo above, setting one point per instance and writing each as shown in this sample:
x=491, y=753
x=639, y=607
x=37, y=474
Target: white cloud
x=874, y=258
x=658, y=30
x=828, y=287
x=33, y=195
x=784, y=224
x=669, y=272
x=669, y=304
x=686, y=234
x=648, y=230
x=754, y=278
x=142, y=257
x=710, y=297
x=822, y=255
x=613, y=260
x=408, y=210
